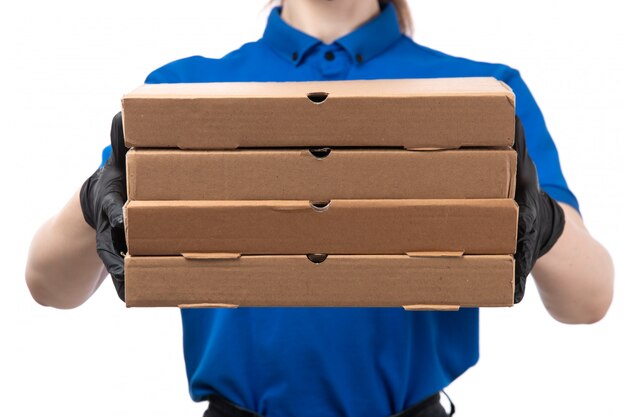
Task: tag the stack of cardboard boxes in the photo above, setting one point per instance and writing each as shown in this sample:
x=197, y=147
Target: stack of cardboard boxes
x=340, y=193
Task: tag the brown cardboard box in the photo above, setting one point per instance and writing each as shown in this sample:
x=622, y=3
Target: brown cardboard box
x=320, y=174
x=442, y=113
x=395, y=223
x=339, y=227
x=340, y=280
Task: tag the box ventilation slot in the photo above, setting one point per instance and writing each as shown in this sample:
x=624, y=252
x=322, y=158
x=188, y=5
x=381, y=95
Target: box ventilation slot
x=319, y=205
x=317, y=258
x=320, y=153
x=318, y=97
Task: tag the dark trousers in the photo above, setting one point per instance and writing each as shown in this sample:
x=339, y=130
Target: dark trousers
x=430, y=407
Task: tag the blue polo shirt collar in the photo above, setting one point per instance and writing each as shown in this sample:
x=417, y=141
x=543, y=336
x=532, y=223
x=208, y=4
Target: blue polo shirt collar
x=287, y=41
x=373, y=37
x=364, y=43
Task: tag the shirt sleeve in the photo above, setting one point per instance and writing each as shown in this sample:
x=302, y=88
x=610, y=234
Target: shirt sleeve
x=541, y=147
x=162, y=75
x=188, y=69
x=106, y=152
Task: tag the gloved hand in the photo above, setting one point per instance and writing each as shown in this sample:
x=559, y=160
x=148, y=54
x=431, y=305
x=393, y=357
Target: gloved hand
x=541, y=219
x=102, y=197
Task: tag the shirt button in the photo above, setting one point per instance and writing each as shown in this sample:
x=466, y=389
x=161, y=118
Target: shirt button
x=329, y=56
x=294, y=56
x=359, y=58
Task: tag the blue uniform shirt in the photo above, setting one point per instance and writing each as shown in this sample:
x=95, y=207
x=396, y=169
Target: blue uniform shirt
x=349, y=362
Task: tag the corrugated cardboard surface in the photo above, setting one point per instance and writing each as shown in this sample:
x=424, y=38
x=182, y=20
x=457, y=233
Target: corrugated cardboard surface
x=412, y=113
x=343, y=226
x=340, y=280
x=321, y=174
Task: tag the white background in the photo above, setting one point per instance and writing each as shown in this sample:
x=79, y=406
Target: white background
x=64, y=67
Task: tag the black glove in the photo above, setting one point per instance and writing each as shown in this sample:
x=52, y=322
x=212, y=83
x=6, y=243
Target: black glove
x=541, y=219
x=102, y=197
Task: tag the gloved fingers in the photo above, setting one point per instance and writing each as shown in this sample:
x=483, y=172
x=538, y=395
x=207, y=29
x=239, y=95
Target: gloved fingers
x=118, y=282
x=523, y=266
x=526, y=235
x=526, y=219
x=113, y=226
x=112, y=259
x=520, y=289
x=119, y=240
x=112, y=206
x=524, y=256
